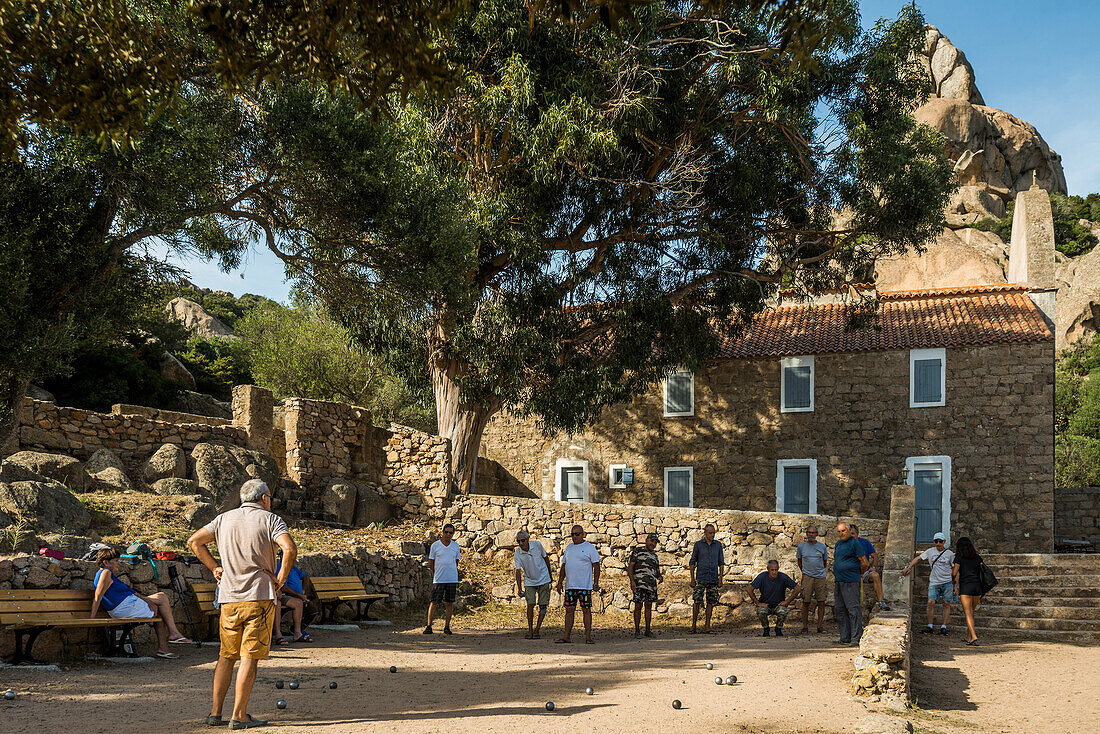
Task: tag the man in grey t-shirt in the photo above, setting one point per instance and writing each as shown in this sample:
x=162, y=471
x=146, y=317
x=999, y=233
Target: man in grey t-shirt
x=247, y=587
x=813, y=558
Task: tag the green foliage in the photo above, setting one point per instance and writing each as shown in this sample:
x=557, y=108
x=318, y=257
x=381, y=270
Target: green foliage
x=225, y=306
x=1082, y=357
x=122, y=372
x=1070, y=236
x=301, y=352
x=216, y=364
x=1077, y=414
x=1076, y=461
x=1085, y=421
x=1067, y=398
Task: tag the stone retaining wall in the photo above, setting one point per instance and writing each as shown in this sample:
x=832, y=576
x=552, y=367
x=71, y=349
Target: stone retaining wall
x=167, y=416
x=414, y=470
x=487, y=525
x=1077, y=514
x=404, y=577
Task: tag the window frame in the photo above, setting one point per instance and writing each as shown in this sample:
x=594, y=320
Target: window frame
x=911, y=464
x=923, y=354
x=807, y=361
x=664, y=383
x=691, y=486
x=783, y=464
x=571, y=464
x=611, y=483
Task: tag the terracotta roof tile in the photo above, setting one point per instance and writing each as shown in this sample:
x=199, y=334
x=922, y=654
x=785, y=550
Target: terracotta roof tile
x=905, y=320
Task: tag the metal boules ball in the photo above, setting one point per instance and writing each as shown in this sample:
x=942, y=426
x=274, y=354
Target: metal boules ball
x=590, y=691
x=280, y=704
x=293, y=685
x=710, y=666
x=393, y=668
x=718, y=681
x=549, y=705
x=279, y=684
x=332, y=685
x=731, y=680
x=676, y=704
x=9, y=695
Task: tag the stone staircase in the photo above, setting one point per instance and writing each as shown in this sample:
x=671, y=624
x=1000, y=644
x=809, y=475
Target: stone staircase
x=1040, y=595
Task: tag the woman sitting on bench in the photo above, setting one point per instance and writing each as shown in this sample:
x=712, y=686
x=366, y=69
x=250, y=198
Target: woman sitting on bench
x=122, y=602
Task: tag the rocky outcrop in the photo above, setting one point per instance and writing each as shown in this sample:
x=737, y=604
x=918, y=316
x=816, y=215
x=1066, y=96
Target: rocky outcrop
x=107, y=470
x=198, y=320
x=61, y=468
x=199, y=403
x=173, y=369
x=46, y=505
x=962, y=257
x=174, y=485
x=1078, y=302
x=167, y=462
x=950, y=73
x=355, y=503
x=220, y=470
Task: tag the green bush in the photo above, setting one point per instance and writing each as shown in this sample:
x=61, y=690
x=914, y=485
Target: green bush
x=1070, y=236
x=1067, y=399
x=127, y=372
x=1076, y=461
x=216, y=364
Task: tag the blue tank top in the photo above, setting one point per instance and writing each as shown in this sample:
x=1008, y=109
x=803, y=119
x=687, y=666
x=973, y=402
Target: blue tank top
x=116, y=593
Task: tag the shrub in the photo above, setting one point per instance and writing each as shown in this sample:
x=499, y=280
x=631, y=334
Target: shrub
x=1070, y=236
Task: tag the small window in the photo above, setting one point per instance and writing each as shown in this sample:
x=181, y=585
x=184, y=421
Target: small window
x=796, y=486
x=680, y=393
x=679, y=489
x=927, y=377
x=571, y=480
x=615, y=478
x=797, y=385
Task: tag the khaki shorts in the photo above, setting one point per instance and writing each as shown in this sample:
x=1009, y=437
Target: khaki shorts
x=538, y=594
x=245, y=628
x=813, y=588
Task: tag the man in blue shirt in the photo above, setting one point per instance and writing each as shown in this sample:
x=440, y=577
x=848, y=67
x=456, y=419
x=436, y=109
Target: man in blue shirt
x=849, y=563
x=772, y=586
x=293, y=597
x=872, y=570
x=707, y=566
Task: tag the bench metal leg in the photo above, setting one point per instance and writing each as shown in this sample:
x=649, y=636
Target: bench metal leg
x=328, y=609
x=364, y=610
x=22, y=654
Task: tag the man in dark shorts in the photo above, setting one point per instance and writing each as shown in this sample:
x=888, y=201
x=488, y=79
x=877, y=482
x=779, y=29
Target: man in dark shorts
x=707, y=566
x=443, y=561
x=580, y=576
x=773, y=600
x=644, y=572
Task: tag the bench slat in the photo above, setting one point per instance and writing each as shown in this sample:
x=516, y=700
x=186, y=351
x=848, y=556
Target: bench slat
x=77, y=622
x=45, y=605
x=33, y=594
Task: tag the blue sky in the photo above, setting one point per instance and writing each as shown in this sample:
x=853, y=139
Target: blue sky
x=1035, y=59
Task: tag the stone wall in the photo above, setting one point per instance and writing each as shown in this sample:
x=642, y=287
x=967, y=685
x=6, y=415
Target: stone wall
x=80, y=433
x=167, y=416
x=996, y=427
x=413, y=470
x=324, y=441
x=1077, y=514
x=488, y=525
x=404, y=577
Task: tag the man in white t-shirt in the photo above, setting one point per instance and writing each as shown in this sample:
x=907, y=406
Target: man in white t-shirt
x=580, y=575
x=941, y=587
x=443, y=561
x=533, y=572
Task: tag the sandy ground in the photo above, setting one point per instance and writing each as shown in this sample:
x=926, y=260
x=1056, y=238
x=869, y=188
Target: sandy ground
x=494, y=681
x=470, y=682
x=1005, y=686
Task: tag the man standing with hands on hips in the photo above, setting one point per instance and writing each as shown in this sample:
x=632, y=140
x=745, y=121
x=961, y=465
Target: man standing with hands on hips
x=247, y=588
x=443, y=561
x=580, y=575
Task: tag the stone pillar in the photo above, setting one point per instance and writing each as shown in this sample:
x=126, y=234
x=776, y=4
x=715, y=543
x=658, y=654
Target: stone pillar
x=253, y=410
x=1031, y=251
x=900, y=545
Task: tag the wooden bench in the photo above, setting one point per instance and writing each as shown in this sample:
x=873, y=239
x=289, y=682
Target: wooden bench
x=29, y=612
x=204, y=597
x=332, y=590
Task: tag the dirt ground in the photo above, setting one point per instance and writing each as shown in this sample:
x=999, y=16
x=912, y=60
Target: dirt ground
x=495, y=681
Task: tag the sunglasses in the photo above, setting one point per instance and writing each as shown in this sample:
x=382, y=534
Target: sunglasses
x=576, y=534
x=448, y=532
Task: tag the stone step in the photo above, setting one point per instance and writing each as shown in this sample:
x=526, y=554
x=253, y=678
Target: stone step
x=1061, y=561
x=1041, y=612
x=1033, y=634
x=1068, y=625
x=1082, y=581
x=994, y=599
x=1027, y=571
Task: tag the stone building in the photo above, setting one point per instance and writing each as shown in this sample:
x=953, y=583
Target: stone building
x=951, y=390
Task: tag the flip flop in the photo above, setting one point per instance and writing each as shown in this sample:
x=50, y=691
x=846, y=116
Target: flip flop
x=973, y=643
x=563, y=642
x=280, y=641
x=181, y=641
x=528, y=636
x=536, y=636
x=590, y=642
x=304, y=638
x=166, y=655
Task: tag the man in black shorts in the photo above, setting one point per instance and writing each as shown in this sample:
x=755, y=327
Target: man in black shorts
x=443, y=561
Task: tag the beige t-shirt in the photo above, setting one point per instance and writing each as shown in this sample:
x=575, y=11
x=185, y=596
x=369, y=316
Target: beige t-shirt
x=246, y=543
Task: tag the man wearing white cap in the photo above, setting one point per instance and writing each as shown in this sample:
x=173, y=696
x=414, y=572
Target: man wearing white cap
x=533, y=579
x=940, y=585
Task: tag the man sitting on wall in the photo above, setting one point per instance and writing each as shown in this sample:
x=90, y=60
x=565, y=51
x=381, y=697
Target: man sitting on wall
x=772, y=584
x=872, y=571
x=708, y=567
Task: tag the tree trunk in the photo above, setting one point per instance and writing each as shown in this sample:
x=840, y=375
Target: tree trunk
x=463, y=422
x=12, y=392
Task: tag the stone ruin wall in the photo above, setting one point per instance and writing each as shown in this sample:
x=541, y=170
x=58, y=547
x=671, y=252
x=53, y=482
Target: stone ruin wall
x=313, y=443
x=487, y=525
x=1077, y=515
x=404, y=577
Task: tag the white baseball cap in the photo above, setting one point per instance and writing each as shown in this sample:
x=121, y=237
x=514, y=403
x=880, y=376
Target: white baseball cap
x=939, y=536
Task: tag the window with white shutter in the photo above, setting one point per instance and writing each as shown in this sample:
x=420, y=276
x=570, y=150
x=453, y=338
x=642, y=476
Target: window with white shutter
x=927, y=378
x=680, y=393
x=796, y=389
